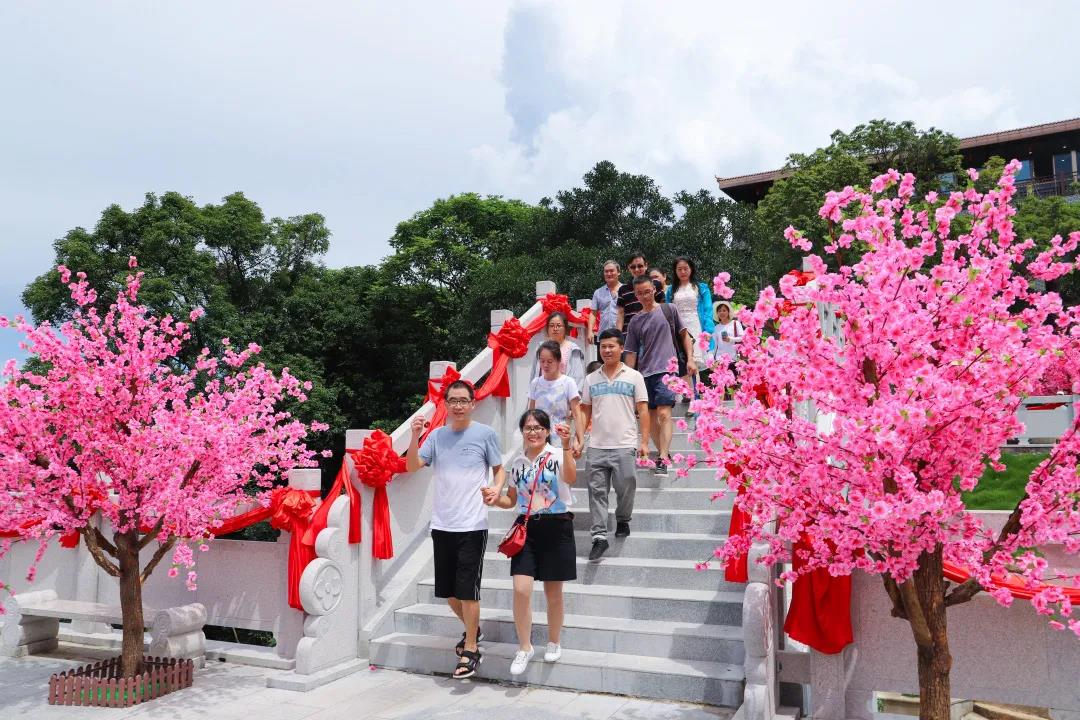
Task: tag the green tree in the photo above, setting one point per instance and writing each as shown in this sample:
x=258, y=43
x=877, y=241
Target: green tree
x=852, y=158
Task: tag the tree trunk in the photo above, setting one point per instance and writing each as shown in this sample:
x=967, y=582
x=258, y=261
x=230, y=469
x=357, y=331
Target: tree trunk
x=935, y=661
x=127, y=552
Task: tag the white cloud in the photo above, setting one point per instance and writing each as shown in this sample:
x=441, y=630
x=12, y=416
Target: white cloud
x=687, y=91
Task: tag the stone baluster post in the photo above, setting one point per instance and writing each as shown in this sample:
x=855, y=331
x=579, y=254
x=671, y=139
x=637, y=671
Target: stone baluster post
x=504, y=406
x=589, y=350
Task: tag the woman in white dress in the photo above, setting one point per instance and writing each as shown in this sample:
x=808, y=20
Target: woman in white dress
x=693, y=301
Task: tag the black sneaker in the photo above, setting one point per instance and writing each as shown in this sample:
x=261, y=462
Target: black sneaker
x=661, y=467
x=622, y=529
x=599, y=547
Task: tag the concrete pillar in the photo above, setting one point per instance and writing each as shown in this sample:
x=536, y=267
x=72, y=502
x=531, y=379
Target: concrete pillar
x=505, y=427
x=436, y=368
x=305, y=478
x=86, y=584
x=590, y=350
x=544, y=287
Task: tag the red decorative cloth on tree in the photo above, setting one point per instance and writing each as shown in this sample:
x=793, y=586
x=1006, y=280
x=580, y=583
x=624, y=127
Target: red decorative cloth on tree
x=376, y=463
x=820, y=611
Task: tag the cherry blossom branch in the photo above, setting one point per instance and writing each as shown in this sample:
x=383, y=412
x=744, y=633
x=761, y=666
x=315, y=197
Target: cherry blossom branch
x=160, y=553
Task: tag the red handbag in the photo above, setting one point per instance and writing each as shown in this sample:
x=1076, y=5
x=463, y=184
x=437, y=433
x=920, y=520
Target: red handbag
x=514, y=540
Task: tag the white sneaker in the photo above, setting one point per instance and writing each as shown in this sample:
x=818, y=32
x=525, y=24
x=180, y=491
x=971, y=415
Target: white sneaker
x=521, y=661
x=553, y=652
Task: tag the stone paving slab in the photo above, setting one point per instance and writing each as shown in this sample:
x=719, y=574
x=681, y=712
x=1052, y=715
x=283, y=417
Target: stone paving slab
x=227, y=691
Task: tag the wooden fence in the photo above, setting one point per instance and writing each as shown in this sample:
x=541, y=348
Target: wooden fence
x=98, y=684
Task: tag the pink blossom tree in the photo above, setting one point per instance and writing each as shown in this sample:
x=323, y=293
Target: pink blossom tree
x=943, y=335
x=112, y=423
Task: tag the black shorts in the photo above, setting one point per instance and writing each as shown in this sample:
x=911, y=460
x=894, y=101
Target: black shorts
x=459, y=563
x=549, y=552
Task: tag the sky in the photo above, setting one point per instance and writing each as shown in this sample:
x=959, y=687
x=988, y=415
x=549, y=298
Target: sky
x=368, y=112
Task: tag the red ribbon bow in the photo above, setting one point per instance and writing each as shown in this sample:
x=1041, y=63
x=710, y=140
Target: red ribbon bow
x=376, y=464
x=554, y=302
x=801, y=277
x=511, y=342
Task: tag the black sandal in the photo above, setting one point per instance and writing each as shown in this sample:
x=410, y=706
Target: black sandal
x=461, y=643
x=467, y=664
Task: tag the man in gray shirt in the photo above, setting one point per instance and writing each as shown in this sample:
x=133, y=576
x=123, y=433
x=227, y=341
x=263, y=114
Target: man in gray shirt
x=650, y=346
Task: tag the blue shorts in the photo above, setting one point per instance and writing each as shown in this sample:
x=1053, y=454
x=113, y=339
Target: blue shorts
x=659, y=393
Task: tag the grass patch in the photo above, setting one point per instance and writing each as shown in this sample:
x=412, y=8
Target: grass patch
x=1002, y=490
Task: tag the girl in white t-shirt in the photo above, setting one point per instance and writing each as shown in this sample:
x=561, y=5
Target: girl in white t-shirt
x=557, y=394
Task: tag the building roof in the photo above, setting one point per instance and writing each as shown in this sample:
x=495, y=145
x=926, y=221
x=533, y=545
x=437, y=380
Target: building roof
x=965, y=144
x=1020, y=133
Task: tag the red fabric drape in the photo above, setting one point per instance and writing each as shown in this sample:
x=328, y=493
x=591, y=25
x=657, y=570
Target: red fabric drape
x=289, y=510
x=736, y=568
x=511, y=342
x=1017, y=588
x=820, y=612
x=68, y=540
x=376, y=464
x=318, y=520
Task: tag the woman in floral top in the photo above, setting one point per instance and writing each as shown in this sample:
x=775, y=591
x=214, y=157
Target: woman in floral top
x=549, y=554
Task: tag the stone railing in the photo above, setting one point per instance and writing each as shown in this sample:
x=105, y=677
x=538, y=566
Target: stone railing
x=385, y=585
x=241, y=584
x=1000, y=655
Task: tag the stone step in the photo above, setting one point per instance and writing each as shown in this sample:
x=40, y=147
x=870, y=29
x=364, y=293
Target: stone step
x=701, y=476
x=676, y=546
x=670, y=497
x=654, y=638
x=703, y=521
x=714, y=607
x=630, y=571
x=699, y=681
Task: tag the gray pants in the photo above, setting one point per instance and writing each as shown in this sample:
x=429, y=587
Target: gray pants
x=607, y=468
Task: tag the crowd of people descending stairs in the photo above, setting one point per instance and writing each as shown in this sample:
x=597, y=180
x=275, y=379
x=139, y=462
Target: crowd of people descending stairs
x=603, y=415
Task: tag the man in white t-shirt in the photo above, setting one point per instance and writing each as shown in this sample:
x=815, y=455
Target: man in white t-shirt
x=460, y=453
x=611, y=397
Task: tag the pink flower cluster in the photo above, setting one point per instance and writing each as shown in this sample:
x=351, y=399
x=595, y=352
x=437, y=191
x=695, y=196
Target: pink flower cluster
x=861, y=444
x=111, y=421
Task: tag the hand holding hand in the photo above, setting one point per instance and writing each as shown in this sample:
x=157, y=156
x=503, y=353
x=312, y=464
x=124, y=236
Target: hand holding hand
x=490, y=495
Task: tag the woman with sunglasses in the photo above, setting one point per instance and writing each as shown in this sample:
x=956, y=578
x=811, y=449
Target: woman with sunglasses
x=540, y=476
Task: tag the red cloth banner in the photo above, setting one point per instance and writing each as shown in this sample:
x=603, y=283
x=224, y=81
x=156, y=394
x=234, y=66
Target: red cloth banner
x=376, y=464
x=820, y=611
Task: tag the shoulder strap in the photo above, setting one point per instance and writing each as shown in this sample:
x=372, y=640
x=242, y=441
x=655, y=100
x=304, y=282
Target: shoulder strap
x=536, y=479
x=671, y=324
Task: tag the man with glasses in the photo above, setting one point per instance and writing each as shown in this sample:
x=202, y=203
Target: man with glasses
x=628, y=303
x=650, y=348
x=460, y=454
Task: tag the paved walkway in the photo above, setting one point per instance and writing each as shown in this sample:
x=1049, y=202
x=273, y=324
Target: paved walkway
x=225, y=691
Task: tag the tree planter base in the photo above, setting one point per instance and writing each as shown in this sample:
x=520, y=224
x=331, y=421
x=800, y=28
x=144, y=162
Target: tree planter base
x=99, y=684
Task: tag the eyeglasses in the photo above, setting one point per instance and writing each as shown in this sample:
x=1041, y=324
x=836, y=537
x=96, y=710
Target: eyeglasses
x=458, y=402
x=556, y=326
x=636, y=265
x=530, y=429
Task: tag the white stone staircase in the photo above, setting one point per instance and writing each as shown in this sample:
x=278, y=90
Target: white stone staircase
x=642, y=621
